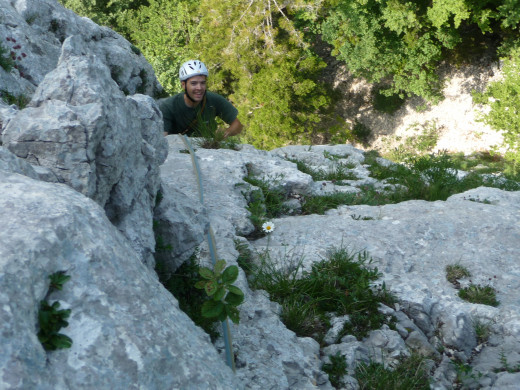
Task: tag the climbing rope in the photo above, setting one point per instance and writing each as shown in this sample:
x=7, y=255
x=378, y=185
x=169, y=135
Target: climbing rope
x=213, y=253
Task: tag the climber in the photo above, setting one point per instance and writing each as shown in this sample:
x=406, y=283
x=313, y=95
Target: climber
x=183, y=111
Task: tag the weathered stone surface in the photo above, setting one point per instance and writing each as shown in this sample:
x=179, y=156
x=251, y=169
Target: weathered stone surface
x=78, y=127
x=411, y=252
x=268, y=354
x=102, y=144
x=127, y=331
x=182, y=224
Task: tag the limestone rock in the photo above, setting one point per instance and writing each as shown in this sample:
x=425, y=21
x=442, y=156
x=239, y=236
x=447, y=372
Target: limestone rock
x=127, y=331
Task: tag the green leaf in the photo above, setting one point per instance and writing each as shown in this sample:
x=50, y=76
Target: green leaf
x=211, y=287
x=60, y=341
x=234, y=299
x=201, y=284
x=206, y=273
x=219, y=266
x=212, y=309
x=230, y=274
x=58, y=279
x=233, y=314
x=235, y=290
x=219, y=294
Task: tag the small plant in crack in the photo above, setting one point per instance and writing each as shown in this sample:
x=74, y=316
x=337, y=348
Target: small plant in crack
x=476, y=293
x=455, y=272
x=51, y=318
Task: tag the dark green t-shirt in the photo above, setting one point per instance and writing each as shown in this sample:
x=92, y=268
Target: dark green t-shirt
x=178, y=116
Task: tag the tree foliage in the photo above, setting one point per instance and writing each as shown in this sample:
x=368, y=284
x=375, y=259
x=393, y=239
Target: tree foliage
x=262, y=53
x=402, y=43
x=163, y=31
x=503, y=97
x=262, y=63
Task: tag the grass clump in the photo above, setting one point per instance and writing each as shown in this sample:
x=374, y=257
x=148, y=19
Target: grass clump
x=6, y=62
x=265, y=203
x=476, y=293
x=455, y=272
x=20, y=101
x=410, y=374
x=341, y=284
x=337, y=173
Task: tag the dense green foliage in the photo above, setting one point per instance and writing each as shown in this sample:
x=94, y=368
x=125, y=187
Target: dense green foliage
x=267, y=57
x=504, y=100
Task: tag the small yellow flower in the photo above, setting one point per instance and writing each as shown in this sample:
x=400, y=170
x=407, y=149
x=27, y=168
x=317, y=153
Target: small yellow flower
x=268, y=227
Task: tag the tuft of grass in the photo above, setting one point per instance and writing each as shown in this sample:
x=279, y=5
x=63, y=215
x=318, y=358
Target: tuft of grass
x=474, y=293
x=410, y=374
x=482, y=330
x=265, y=203
x=455, y=272
x=341, y=284
x=20, y=101
x=6, y=62
x=337, y=173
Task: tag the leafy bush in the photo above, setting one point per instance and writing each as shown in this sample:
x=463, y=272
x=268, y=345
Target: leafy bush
x=503, y=97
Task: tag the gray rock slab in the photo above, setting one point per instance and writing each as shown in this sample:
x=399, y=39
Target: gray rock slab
x=127, y=330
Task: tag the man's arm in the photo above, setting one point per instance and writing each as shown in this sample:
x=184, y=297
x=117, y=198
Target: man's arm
x=234, y=128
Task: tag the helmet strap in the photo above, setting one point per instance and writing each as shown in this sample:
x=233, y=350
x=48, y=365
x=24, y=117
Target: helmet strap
x=188, y=95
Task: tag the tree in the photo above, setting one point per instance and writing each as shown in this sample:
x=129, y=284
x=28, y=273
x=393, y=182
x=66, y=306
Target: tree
x=163, y=31
x=261, y=62
x=503, y=97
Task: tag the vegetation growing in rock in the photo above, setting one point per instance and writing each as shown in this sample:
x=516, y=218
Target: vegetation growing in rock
x=343, y=283
x=269, y=57
x=503, y=97
x=181, y=284
x=224, y=297
x=410, y=373
x=476, y=293
x=51, y=318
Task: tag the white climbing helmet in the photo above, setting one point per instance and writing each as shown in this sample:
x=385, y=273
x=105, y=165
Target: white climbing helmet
x=192, y=68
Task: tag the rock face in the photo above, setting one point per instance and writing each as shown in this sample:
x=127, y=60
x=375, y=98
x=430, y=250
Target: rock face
x=79, y=124
x=410, y=242
x=80, y=168
x=127, y=331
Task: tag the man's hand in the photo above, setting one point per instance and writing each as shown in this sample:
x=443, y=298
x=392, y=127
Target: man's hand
x=234, y=128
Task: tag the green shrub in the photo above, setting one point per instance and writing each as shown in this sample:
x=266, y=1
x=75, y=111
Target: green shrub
x=503, y=97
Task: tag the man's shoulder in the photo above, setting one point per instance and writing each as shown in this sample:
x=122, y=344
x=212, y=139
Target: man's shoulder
x=170, y=101
x=214, y=96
